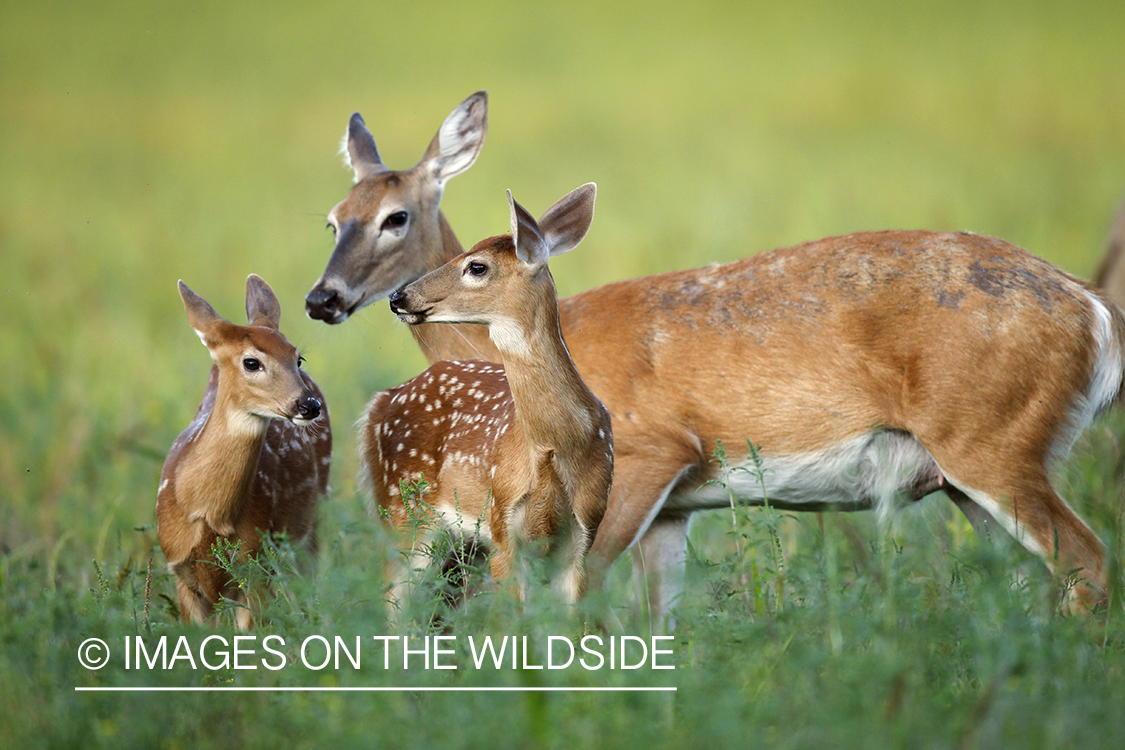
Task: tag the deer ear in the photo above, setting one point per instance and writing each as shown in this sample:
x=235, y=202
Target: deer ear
x=459, y=140
x=262, y=307
x=201, y=315
x=359, y=149
x=565, y=224
x=530, y=247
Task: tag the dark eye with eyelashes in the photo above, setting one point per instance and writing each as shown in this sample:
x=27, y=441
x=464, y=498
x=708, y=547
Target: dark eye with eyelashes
x=476, y=269
x=300, y=361
x=251, y=364
x=395, y=220
x=331, y=226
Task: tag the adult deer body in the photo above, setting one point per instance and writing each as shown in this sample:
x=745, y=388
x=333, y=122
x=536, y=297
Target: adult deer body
x=528, y=440
x=871, y=369
x=254, y=459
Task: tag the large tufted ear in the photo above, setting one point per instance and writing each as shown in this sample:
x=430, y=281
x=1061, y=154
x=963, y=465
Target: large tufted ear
x=566, y=223
x=359, y=149
x=459, y=140
x=262, y=307
x=530, y=247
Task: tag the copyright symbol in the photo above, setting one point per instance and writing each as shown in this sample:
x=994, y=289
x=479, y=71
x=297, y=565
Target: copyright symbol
x=93, y=653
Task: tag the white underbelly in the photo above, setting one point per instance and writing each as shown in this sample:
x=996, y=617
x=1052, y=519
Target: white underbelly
x=875, y=470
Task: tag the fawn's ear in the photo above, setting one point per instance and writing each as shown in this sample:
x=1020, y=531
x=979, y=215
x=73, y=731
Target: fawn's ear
x=530, y=247
x=566, y=223
x=459, y=140
x=201, y=316
x=262, y=307
x=359, y=149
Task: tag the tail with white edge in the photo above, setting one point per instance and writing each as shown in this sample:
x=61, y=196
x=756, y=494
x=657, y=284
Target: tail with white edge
x=1108, y=373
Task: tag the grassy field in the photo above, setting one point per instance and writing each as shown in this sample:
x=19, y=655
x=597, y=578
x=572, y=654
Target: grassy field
x=141, y=143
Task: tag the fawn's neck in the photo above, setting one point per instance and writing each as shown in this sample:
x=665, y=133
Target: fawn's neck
x=553, y=405
x=217, y=470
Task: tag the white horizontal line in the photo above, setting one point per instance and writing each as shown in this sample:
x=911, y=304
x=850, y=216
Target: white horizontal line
x=373, y=689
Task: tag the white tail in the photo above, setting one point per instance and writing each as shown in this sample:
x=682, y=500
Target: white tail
x=871, y=369
x=255, y=458
x=530, y=440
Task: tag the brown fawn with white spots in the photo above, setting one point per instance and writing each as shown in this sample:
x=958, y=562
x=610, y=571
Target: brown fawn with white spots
x=871, y=369
x=530, y=441
x=255, y=458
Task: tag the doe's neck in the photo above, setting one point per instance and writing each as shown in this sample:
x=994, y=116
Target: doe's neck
x=455, y=341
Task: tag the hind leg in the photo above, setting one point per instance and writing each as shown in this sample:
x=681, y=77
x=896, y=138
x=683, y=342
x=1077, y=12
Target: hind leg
x=659, y=562
x=985, y=526
x=1029, y=509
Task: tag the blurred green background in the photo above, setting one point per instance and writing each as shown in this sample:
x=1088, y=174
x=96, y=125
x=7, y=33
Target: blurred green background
x=150, y=141
x=143, y=142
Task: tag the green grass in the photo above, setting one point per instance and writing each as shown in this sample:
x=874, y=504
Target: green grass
x=141, y=143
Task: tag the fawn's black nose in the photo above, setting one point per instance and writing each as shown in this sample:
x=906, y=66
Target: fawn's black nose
x=396, y=300
x=308, y=407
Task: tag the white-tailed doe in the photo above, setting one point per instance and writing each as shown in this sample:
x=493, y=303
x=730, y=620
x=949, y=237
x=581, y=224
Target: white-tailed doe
x=255, y=458
x=872, y=369
x=530, y=441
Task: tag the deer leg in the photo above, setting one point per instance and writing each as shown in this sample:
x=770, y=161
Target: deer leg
x=659, y=559
x=193, y=606
x=308, y=555
x=408, y=561
x=642, y=483
x=985, y=526
x=242, y=616
x=510, y=570
x=1027, y=508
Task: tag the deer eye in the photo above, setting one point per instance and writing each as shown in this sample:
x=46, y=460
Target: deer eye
x=300, y=360
x=395, y=220
x=251, y=364
x=476, y=269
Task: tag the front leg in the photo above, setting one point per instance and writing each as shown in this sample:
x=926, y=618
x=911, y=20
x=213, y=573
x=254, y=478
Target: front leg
x=643, y=480
x=194, y=606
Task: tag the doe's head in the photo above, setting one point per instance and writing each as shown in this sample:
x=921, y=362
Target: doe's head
x=388, y=230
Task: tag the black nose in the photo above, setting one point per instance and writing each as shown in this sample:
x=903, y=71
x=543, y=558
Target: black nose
x=397, y=299
x=323, y=304
x=308, y=407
